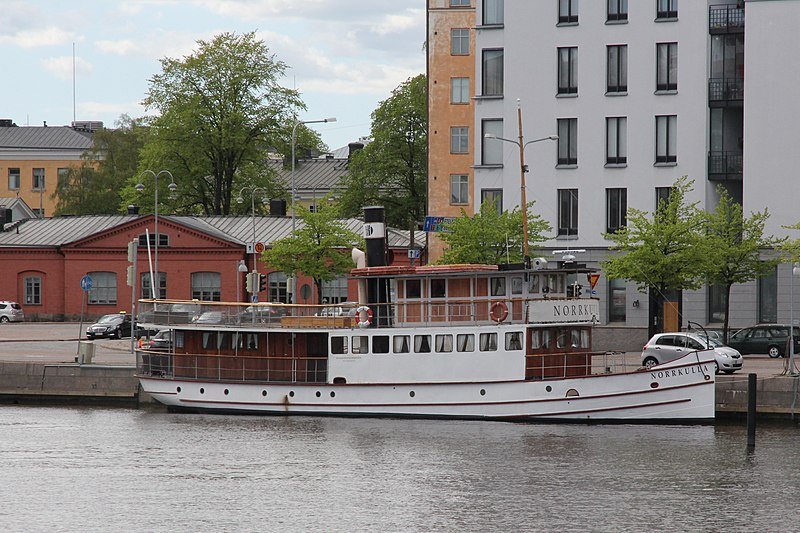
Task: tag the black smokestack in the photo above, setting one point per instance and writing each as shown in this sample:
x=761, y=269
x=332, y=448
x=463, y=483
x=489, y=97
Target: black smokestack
x=377, y=288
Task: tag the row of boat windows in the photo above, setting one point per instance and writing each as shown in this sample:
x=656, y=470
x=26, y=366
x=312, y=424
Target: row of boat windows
x=498, y=286
x=444, y=343
x=223, y=341
x=559, y=338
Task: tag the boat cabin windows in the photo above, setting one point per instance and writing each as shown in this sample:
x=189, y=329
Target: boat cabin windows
x=422, y=343
x=401, y=344
x=465, y=342
x=438, y=288
x=559, y=339
x=516, y=285
x=497, y=286
x=252, y=341
x=514, y=340
x=338, y=345
x=380, y=344
x=223, y=341
x=533, y=284
x=488, y=342
x=360, y=344
x=444, y=343
x=413, y=288
x=209, y=340
x=178, y=339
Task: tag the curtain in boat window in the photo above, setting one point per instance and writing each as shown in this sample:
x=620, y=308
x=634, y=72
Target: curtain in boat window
x=444, y=343
x=401, y=344
x=488, y=342
x=422, y=343
x=514, y=340
x=465, y=342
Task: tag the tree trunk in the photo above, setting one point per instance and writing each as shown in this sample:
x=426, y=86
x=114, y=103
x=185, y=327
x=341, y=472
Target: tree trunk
x=726, y=320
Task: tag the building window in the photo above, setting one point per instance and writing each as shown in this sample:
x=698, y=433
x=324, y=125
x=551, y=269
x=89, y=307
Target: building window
x=568, y=141
x=104, y=288
x=163, y=239
x=459, y=42
x=616, y=209
x=278, y=287
x=567, y=212
x=62, y=175
x=617, y=68
x=491, y=149
x=459, y=3
x=38, y=179
x=768, y=297
x=495, y=197
x=716, y=303
x=617, y=10
x=459, y=90
x=567, y=11
x=206, y=286
x=146, y=291
x=616, y=140
x=666, y=9
x=459, y=140
x=13, y=179
x=33, y=290
x=666, y=138
x=667, y=66
x=662, y=197
x=568, y=70
x=492, y=73
x=459, y=189
x=492, y=12
x=334, y=291
x=616, y=300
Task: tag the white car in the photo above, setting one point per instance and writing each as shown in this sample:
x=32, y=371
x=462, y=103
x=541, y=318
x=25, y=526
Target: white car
x=11, y=312
x=664, y=347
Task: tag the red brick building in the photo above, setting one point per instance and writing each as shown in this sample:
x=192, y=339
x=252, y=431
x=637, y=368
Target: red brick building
x=42, y=262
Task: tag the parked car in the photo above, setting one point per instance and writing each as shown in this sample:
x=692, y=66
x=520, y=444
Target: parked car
x=116, y=325
x=161, y=341
x=262, y=314
x=11, y=312
x=771, y=339
x=209, y=317
x=665, y=347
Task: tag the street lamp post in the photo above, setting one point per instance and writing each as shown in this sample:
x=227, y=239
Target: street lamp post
x=240, y=199
x=791, y=370
x=240, y=268
x=523, y=168
x=294, y=192
x=156, y=289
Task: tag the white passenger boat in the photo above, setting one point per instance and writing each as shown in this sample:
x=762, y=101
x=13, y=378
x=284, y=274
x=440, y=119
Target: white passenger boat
x=452, y=341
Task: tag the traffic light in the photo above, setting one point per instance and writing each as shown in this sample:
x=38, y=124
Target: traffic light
x=130, y=276
x=578, y=288
x=133, y=249
x=262, y=282
x=249, y=282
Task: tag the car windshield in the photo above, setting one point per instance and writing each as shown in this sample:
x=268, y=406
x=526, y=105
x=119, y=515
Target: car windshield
x=109, y=319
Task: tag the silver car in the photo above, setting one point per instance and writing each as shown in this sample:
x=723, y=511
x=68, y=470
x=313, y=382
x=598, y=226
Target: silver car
x=664, y=347
x=11, y=312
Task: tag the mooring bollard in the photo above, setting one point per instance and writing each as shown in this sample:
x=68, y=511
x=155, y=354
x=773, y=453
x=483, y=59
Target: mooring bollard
x=751, y=410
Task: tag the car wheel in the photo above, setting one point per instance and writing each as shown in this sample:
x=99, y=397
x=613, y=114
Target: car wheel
x=116, y=334
x=716, y=367
x=774, y=352
x=3, y=319
x=650, y=362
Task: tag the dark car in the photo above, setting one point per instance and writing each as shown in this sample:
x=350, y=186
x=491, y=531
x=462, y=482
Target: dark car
x=771, y=339
x=113, y=326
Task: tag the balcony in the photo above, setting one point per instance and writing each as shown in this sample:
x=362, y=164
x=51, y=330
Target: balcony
x=725, y=92
x=726, y=18
x=725, y=166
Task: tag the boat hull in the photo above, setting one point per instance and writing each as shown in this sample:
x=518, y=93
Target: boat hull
x=679, y=391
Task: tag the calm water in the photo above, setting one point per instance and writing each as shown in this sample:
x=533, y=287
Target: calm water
x=92, y=469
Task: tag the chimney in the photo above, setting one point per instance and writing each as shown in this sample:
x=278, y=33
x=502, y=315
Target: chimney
x=45, y=123
x=277, y=207
x=133, y=209
x=353, y=148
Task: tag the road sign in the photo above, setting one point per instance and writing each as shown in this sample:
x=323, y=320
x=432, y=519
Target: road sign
x=86, y=283
x=414, y=253
x=254, y=298
x=593, y=278
x=436, y=223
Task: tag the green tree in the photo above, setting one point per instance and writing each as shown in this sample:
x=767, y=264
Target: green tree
x=490, y=237
x=219, y=111
x=663, y=253
x=93, y=187
x=320, y=248
x=735, y=243
x=392, y=169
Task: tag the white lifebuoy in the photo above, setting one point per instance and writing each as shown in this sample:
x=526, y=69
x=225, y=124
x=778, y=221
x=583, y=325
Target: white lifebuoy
x=367, y=321
x=498, y=317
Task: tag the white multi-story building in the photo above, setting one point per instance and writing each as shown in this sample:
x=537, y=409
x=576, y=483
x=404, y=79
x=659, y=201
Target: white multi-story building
x=640, y=93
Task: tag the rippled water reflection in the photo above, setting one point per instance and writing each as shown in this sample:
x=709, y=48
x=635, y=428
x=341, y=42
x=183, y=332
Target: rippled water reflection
x=89, y=469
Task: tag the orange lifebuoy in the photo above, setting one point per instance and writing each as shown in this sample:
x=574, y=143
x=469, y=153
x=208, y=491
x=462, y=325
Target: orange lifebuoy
x=502, y=315
x=367, y=321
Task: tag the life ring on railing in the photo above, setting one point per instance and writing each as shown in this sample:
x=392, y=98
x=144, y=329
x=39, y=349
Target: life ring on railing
x=501, y=315
x=367, y=321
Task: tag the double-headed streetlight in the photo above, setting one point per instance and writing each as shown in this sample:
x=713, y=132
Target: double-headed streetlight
x=156, y=289
x=523, y=168
x=294, y=191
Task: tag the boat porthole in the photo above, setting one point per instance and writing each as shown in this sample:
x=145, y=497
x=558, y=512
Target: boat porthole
x=263, y=393
x=412, y=394
x=571, y=393
x=226, y=392
x=483, y=392
x=179, y=389
x=333, y=394
x=291, y=393
x=654, y=385
x=319, y=394
x=202, y=390
x=549, y=388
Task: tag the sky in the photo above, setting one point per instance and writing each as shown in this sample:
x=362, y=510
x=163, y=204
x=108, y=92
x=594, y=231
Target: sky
x=344, y=56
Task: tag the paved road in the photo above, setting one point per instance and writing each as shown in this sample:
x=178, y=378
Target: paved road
x=57, y=342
